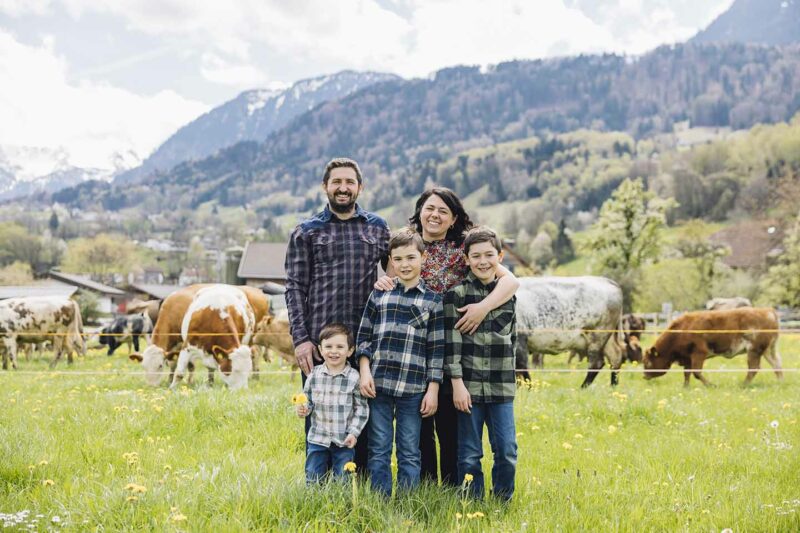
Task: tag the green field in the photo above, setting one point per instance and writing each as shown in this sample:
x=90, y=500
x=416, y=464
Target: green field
x=102, y=452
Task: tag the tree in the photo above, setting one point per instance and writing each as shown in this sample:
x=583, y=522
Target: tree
x=627, y=235
x=17, y=273
x=704, y=255
x=562, y=247
x=781, y=285
x=53, y=224
x=100, y=256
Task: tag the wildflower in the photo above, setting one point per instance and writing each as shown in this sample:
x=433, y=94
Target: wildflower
x=459, y=516
x=299, y=399
x=787, y=405
x=750, y=430
x=566, y=446
x=178, y=517
x=132, y=499
x=56, y=519
x=350, y=467
x=43, y=463
x=726, y=530
x=136, y=489
x=578, y=436
x=774, y=424
x=478, y=514
x=167, y=467
x=48, y=482
x=535, y=428
x=612, y=429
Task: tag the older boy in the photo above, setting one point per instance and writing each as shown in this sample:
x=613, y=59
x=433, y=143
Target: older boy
x=400, y=352
x=481, y=367
x=338, y=410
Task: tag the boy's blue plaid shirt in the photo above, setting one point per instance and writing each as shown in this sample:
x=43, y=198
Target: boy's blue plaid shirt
x=402, y=334
x=337, y=407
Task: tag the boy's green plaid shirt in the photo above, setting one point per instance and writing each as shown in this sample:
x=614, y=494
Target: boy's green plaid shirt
x=485, y=359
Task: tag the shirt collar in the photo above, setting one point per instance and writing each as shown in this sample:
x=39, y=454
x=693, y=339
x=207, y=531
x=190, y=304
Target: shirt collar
x=420, y=286
x=325, y=370
x=475, y=281
x=327, y=214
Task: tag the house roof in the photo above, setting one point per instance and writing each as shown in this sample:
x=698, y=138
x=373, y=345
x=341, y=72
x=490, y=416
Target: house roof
x=751, y=242
x=19, y=291
x=156, y=291
x=263, y=260
x=85, y=283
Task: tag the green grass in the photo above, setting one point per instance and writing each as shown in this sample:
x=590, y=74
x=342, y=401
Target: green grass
x=692, y=459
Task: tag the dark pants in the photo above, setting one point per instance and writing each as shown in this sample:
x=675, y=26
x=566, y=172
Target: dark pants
x=499, y=420
x=361, y=449
x=321, y=460
x=445, y=424
x=386, y=412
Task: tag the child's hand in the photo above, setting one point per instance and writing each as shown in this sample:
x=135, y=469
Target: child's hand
x=472, y=317
x=384, y=283
x=461, y=397
x=430, y=403
x=302, y=411
x=367, y=383
x=350, y=441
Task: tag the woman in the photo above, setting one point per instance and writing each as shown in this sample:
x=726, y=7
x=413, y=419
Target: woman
x=441, y=219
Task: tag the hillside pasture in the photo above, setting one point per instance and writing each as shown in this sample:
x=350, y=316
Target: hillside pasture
x=86, y=451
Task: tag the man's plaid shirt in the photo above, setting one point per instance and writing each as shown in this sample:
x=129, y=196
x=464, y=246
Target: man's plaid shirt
x=485, y=360
x=331, y=266
x=402, y=335
x=337, y=407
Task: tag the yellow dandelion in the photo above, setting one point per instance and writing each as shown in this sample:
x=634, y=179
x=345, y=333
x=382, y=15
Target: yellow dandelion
x=478, y=514
x=299, y=399
x=612, y=429
x=350, y=467
x=566, y=446
x=750, y=430
x=787, y=405
x=535, y=428
x=578, y=436
x=31, y=467
x=468, y=478
x=167, y=467
x=178, y=517
x=48, y=482
x=132, y=499
x=43, y=463
x=459, y=516
x=173, y=509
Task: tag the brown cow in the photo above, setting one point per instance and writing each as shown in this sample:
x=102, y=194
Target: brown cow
x=632, y=328
x=166, y=341
x=272, y=332
x=703, y=334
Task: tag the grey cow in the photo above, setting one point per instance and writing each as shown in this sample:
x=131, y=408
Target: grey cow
x=557, y=314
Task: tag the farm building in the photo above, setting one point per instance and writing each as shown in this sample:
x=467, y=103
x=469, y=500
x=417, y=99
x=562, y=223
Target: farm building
x=40, y=289
x=110, y=299
x=262, y=262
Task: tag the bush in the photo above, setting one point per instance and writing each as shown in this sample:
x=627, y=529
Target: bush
x=89, y=306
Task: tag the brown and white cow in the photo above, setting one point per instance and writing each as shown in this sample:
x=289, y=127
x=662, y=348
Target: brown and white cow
x=694, y=337
x=37, y=319
x=217, y=330
x=166, y=341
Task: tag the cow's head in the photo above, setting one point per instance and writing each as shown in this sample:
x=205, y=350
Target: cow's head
x=261, y=338
x=104, y=338
x=235, y=367
x=654, y=362
x=633, y=350
x=152, y=360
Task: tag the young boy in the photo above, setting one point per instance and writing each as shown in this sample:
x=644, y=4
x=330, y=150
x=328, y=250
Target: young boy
x=338, y=410
x=400, y=353
x=481, y=367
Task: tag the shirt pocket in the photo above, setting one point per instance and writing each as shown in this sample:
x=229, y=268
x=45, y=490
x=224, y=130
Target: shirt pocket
x=419, y=316
x=502, y=321
x=322, y=246
x=367, y=247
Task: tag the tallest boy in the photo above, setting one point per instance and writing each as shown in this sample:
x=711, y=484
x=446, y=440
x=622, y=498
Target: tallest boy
x=331, y=266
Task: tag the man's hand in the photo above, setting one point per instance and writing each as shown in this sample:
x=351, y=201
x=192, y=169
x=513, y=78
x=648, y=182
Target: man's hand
x=367, y=383
x=306, y=353
x=350, y=441
x=472, y=317
x=384, y=283
x=461, y=397
x=430, y=402
x=303, y=411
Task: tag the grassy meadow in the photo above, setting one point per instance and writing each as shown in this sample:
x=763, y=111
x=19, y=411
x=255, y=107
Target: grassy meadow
x=103, y=452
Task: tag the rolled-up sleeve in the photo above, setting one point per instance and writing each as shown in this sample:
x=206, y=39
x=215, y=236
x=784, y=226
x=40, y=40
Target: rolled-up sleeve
x=435, y=344
x=298, y=280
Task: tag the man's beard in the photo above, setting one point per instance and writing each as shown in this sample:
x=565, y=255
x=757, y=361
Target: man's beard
x=341, y=208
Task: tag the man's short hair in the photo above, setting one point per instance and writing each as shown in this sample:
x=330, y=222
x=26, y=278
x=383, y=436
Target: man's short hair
x=482, y=234
x=341, y=162
x=406, y=237
x=337, y=328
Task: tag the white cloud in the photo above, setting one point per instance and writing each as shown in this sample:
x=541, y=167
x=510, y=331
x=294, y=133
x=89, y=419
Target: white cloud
x=91, y=121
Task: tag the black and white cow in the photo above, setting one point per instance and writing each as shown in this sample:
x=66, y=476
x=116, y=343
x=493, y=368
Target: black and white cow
x=577, y=314
x=37, y=319
x=124, y=330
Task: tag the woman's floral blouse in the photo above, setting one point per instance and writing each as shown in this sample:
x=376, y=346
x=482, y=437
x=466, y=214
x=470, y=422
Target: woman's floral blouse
x=444, y=266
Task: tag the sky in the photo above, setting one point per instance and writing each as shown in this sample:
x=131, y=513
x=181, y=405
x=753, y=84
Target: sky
x=99, y=77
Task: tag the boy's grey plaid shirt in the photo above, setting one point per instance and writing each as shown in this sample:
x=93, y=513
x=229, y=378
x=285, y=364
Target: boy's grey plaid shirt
x=402, y=335
x=337, y=407
x=484, y=360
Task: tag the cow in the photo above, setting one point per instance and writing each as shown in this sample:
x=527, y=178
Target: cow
x=694, y=337
x=579, y=314
x=724, y=304
x=272, y=333
x=217, y=330
x=166, y=341
x=125, y=330
x=37, y=319
x=632, y=327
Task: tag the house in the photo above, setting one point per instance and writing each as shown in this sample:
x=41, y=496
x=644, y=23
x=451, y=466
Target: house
x=262, y=262
x=40, y=289
x=110, y=299
x=753, y=243
x=151, y=291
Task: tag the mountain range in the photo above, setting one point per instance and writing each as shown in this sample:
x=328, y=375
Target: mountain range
x=772, y=22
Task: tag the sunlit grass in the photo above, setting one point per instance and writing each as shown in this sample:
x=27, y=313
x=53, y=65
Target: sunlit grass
x=106, y=451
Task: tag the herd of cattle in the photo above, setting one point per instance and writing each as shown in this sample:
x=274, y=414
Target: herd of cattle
x=230, y=328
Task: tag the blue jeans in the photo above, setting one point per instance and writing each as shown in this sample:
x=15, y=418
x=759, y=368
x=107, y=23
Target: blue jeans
x=321, y=460
x=499, y=420
x=383, y=409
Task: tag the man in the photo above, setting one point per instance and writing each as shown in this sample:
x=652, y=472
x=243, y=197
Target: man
x=331, y=266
